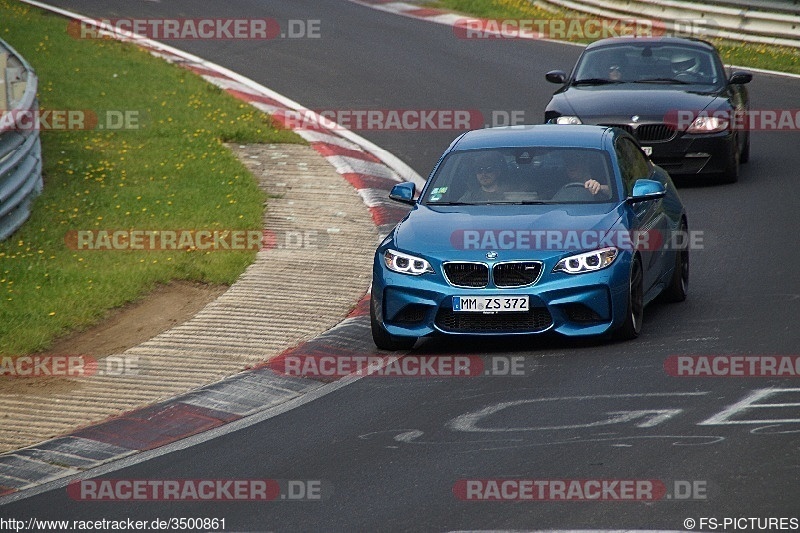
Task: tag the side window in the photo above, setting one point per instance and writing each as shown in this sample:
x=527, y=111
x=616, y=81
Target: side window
x=632, y=163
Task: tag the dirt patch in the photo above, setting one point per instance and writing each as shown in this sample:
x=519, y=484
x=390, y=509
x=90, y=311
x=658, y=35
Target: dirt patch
x=126, y=327
x=165, y=307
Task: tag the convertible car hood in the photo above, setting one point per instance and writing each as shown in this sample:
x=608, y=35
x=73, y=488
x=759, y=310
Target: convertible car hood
x=625, y=101
x=440, y=230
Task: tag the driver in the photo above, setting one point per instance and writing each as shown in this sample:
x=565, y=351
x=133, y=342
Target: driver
x=488, y=171
x=684, y=64
x=578, y=170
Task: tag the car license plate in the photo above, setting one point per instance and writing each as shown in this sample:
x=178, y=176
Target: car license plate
x=490, y=304
x=648, y=150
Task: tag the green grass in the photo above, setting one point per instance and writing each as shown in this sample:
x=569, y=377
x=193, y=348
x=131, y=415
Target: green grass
x=779, y=58
x=171, y=173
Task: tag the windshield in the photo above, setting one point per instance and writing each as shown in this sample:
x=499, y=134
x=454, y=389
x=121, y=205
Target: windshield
x=531, y=175
x=647, y=63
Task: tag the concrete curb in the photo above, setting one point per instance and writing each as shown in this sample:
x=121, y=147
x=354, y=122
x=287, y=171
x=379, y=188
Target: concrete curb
x=369, y=169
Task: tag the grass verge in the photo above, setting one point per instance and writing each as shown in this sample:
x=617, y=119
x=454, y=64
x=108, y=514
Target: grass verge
x=172, y=172
x=779, y=58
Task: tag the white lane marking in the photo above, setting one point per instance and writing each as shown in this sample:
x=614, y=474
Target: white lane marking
x=469, y=422
x=726, y=417
x=413, y=436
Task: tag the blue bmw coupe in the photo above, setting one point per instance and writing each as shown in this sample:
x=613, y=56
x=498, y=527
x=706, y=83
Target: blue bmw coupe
x=526, y=230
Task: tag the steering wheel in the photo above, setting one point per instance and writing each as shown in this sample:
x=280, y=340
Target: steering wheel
x=688, y=76
x=564, y=193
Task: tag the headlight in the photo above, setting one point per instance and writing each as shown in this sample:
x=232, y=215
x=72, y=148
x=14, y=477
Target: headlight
x=568, y=119
x=708, y=125
x=406, y=264
x=587, y=261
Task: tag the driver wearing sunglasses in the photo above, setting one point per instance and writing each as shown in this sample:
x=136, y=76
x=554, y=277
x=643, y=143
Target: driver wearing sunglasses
x=488, y=170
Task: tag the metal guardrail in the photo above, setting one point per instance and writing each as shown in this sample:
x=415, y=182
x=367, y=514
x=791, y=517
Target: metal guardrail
x=770, y=6
x=765, y=22
x=20, y=147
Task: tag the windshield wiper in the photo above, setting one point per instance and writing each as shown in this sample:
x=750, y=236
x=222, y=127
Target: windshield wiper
x=663, y=80
x=531, y=202
x=450, y=203
x=595, y=81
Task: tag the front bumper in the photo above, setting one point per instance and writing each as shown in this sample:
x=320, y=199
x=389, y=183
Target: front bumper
x=575, y=305
x=687, y=154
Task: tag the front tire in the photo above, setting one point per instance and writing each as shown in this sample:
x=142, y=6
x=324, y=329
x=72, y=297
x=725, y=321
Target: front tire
x=744, y=157
x=382, y=338
x=731, y=172
x=679, y=284
x=634, y=313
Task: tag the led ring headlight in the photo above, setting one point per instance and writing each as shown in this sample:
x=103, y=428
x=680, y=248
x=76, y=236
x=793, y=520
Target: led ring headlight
x=587, y=261
x=405, y=264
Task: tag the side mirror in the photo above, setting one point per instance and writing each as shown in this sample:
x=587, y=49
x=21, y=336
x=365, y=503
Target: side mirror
x=646, y=189
x=740, y=77
x=403, y=192
x=556, y=76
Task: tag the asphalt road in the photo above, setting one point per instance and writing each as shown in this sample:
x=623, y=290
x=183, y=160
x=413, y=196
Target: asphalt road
x=389, y=451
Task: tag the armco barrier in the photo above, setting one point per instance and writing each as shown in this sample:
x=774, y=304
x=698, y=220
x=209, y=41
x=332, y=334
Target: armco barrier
x=758, y=22
x=20, y=149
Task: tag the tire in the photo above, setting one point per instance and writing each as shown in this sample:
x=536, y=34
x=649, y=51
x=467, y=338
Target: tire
x=731, y=172
x=744, y=157
x=385, y=340
x=678, y=286
x=634, y=313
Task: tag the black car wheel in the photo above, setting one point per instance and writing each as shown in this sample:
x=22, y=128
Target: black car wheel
x=632, y=326
x=679, y=284
x=382, y=338
x=744, y=156
x=731, y=172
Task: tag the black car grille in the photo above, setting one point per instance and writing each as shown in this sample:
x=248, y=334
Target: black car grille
x=580, y=313
x=411, y=314
x=654, y=132
x=534, y=320
x=648, y=132
x=516, y=274
x=467, y=274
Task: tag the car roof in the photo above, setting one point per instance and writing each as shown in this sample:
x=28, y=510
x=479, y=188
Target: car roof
x=688, y=41
x=555, y=135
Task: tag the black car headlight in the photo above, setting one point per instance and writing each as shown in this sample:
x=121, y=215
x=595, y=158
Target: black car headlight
x=587, y=261
x=704, y=124
x=406, y=264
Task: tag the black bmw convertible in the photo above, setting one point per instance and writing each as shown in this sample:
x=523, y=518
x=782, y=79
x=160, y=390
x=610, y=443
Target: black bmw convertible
x=673, y=94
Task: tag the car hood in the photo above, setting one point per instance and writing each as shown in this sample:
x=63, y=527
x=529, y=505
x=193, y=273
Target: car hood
x=621, y=103
x=449, y=230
